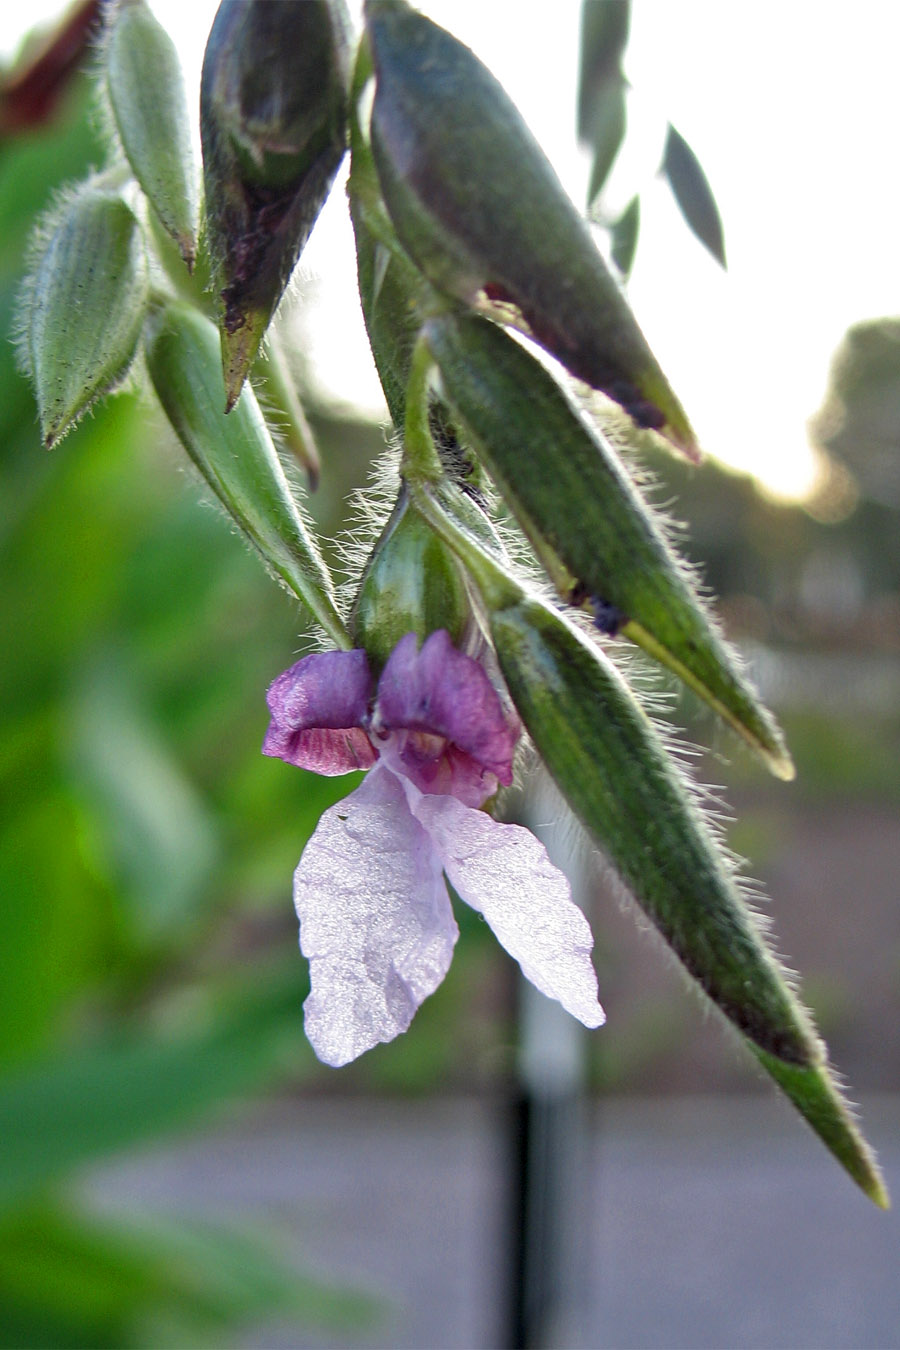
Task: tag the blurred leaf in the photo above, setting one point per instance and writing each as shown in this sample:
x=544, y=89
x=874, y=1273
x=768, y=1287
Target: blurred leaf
x=156, y=826
x=55, y=920
x=604, y=36
x=68, y=1279
x=602, y=85
x=75, y=1107
x=608, y=134
x=693, y=194
x=625, y=233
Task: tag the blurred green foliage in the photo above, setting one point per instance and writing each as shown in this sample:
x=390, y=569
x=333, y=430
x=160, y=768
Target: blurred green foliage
x=146, y=849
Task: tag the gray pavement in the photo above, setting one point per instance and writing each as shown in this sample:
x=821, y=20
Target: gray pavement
x=704, y=1223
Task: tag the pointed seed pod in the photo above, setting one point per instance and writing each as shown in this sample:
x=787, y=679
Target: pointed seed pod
x=587, y=522
x=236, y=456
x=82, y=304
x=412, y=584
x=622, y=783
x=608, y=761
x=273, y=107
x=480, y=210
x=149, y=104
x=816, y=1093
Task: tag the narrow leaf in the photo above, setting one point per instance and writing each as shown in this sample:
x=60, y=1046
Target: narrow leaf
x=598, y=540
x=604, y=35
x=625, y=233
x=76, y=1107
x=693, y=194
x=607, y=134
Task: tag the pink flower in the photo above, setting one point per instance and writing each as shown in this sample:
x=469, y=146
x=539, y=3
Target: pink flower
x=376, y=923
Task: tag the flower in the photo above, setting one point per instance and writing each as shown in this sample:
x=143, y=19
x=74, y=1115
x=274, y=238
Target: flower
x=376, y=922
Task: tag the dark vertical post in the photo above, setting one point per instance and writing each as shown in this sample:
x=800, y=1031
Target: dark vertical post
x=547, y=1143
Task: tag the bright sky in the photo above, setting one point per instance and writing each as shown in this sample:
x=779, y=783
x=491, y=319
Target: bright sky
x=792, y=109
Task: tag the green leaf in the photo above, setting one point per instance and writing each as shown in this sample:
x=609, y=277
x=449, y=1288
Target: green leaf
x=147, y=95
x=70, y=1279
x=481, y=212
x=604, y=36
x=602, y=85
x=236, y=456
x=608, y=134
x=82, y=304
x=155, y=826
x=273, y=107
x=75, y=1107
x=693, y=194
x=588, y=524
x=625, y=233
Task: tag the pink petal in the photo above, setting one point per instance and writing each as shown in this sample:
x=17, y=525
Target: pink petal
x=440, y=691
x=376, y=922
x=504, y=872
x=318, y=708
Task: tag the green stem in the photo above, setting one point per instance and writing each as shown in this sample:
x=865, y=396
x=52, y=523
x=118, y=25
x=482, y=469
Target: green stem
x=421, y=462
x=498, y=589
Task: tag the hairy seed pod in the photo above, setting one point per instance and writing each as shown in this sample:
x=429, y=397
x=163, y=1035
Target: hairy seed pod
x=236, y=455
x=147, y=96
x=82, y=304
x=273, y=110
x=586, y=520
x=480, y=210
x=614, y=771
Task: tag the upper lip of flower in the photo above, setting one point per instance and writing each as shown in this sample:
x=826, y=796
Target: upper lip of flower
x=435, y=716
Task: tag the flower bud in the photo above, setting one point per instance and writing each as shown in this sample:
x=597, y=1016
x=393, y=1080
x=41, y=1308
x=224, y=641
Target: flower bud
x=236, y=456
x=587, y=522
x=480, y=210
x=146, y=92
x=273, y=107
x=82, y=304
x=412, y=584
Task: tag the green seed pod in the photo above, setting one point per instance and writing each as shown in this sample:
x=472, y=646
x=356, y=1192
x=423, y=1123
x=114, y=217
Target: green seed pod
x=146, y=92
x=236, y=456
x=412, y=584
x=82, y=304
x=621, y=782
x=817, y=1095
x=585, y=518
x=607, y=760
x=480, y=210
x=614, y=771
x=273, y=107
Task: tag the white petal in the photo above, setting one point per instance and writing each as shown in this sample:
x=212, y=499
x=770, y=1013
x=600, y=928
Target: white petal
x=375, y=920
x=504, y=872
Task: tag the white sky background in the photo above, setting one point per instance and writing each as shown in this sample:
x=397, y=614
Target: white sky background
x=793, y=107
